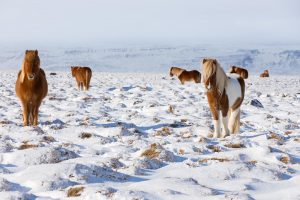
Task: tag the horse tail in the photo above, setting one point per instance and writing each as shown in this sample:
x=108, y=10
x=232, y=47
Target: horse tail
x=236, y=125
x=88, y=77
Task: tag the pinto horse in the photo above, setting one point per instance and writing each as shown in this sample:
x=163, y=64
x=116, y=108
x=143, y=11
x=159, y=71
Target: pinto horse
x=225, y=96
x=83, y=76
x=31, y=87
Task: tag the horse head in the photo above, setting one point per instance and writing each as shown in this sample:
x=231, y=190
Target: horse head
x=209, y=73
x=31, y=65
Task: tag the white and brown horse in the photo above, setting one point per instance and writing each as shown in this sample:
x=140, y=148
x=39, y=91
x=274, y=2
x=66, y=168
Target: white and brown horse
x=225, y=96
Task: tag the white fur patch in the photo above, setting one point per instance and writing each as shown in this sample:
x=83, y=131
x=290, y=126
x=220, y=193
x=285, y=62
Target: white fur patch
x=233, y=90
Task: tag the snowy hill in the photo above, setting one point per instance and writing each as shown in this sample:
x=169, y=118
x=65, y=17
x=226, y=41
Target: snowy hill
x=145, y=136
x=159, y=59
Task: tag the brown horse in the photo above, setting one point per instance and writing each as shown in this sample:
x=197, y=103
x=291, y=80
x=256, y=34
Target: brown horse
x=175, y=71
x=31, y=87
x=238, y=70
x=225, y=96
x=265, y=74
x=83, y=76
x=193, y=75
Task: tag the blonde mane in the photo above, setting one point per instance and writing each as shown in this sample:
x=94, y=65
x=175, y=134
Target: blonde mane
x=211, y=66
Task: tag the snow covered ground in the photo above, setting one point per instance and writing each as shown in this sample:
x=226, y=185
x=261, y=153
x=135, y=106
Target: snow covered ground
x=145, y=136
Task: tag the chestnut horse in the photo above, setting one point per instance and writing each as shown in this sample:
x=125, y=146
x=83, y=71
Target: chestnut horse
x=193, y=75
x=238, y=70
x=31, y=87
x=265, y=74
x=83, y=76
x=225, y=96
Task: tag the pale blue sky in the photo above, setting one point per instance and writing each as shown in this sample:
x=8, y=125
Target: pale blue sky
x=137, y=21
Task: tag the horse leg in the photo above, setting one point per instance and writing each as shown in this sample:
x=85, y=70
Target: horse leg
x=225, y=131
x=234, y=121
x=25, y=113
x=35, y=112
x=78, y=85
x=217, y=128
x=215, y=114
x=31, y=114
x=85, y=84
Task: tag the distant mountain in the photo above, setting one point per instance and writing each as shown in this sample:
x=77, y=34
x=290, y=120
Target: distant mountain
x=159, y=59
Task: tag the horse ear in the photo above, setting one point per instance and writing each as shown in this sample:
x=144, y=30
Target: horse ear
x=26, y=51
x=204, y=60
x=36, y=52
x=215, y=61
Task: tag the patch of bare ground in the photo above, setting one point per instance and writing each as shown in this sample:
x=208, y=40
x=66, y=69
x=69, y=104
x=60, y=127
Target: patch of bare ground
x=85, y=135
x=235, y=145
x=205, y=160
x=214, y=148
x=297, y=139
x=48, y=139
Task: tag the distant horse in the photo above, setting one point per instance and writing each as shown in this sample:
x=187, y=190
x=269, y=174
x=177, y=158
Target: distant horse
x=238, y=70
x=265, y=74
x=193, y=75
x=225, y=96
x=83, y=76
x=31, y=87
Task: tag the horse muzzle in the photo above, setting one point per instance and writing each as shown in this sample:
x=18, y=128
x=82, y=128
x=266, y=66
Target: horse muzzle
x=30, y=76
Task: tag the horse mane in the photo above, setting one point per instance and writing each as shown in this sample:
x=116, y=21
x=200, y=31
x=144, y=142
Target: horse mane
x=31, y=56
x=211, y=67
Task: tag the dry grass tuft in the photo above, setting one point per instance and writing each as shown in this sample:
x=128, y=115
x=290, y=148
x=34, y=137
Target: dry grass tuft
x=235, y=145
x=183, y=120
x=85, y=135
x=156, y=120
x=214, y=148
x=25, y=145
x=171, y=109
x=251, y=162
x=205, y=160
x=152, y=152
x=163, y=132
x=202, y=140
x=75, y=192
x=285, y=159
x=181, y=151
x=288, y=132
x=4, y=122
x=48, y=139
x=275, y=136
